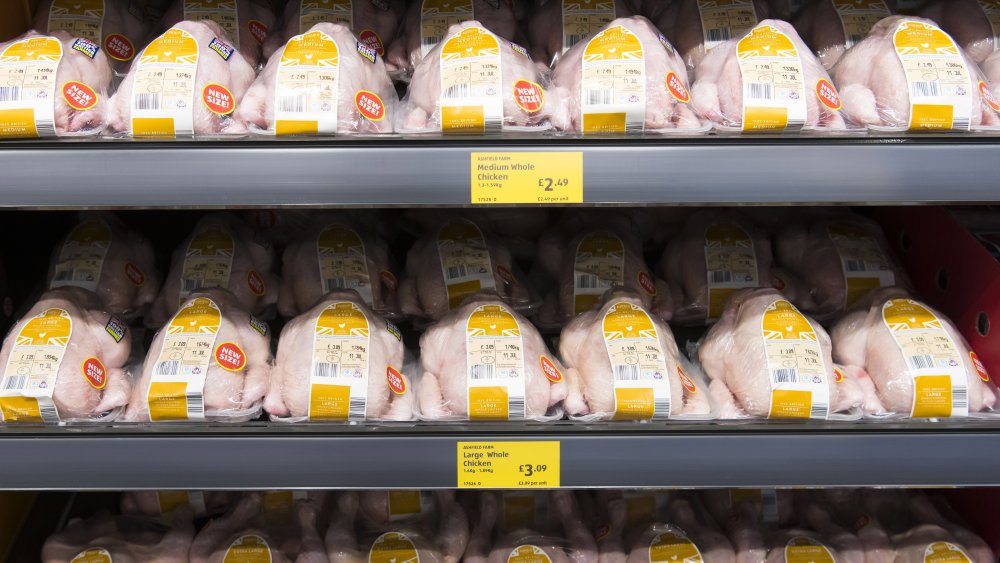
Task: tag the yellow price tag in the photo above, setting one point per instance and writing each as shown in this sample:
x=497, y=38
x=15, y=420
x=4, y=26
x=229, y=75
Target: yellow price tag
x=508, y=465
x=527, y=177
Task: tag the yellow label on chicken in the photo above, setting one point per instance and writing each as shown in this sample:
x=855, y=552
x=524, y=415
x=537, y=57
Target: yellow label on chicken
x=722, y=20
x=945, y=552
x=731, y=264
x=248, y=549
x=471, y=84
x=406, y=504
x=795, y=363
x=163, y=91
x=673, y=547
x=774, y=94
x=342, y=261
x=640, y=508
x=991, y=8
x=178, y=380
x=436, y=16
x=857, y=17
x=613, y=90
x=599, y=265
x=79, y=18
x=465, y=261
x=92, y=555
x=306, y=89
x=807, y=550
x=339, y=380
x=28, y=87
x=638, y=364
x=29, y=378
x=312, y=12
x=208, y=262
x=223, y=12
x=495, y=364
x=81, y=258
x=528, y=554
x=520, y=510
x=933, y=361
x=938, y=81
x=583, y=18
x=393, y=547
x=864, y=264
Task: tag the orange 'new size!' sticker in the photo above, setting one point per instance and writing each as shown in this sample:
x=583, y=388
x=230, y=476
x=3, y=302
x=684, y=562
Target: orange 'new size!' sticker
x=529, y=96
x=395, y=380
x=550, y=370
x=369, y=105
x=677, y=89
x=218, y=99
x=95, y=373
x=827, y=94
x=256, y=283
x=838, y=375
x=372, y=40
x=134, y=274
x=686, y=381
x=646, y=283
x=119, y=47
x=991, y=100
x=258, y=30
x=79, y=96
x=980, y=368
x=230, y=356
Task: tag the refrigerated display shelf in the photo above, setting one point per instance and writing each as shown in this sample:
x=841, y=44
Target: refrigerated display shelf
x=397, y=172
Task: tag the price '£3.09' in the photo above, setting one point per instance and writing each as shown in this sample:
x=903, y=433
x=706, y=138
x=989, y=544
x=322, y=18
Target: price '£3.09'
x=527, y=177
x=508, y=465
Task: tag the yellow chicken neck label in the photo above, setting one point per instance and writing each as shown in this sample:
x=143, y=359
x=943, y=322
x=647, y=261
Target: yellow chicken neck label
x=436, y=16
x=28, y=87
x=857, y=17
x=163, y=91
x=673, y=547
x=933, y=361
x=864, y=264
x=248, y=549
x=613, y=89
x=730, y=262
x=722, y=20
x=92, y=555
x=342, y=261
x=774, y=94
x=528, y=554
x=32, y=369
x=583, y=18
x=598, y=265
x=520, y=510
x=169, y=501
x=807, y=550
x=208, y=262
x=991, y=8
x=223, y=12
x=465, y=261
x=79, y=18
x=638, y=364
x=81, y=258
x=471, y=83
x=495, y=364
x=404, y=505
x=307, y=86
x=393, y=547
x=938, y=81
x=339, y=378
x=796, y=367
x=945, y=552
x=312, y=12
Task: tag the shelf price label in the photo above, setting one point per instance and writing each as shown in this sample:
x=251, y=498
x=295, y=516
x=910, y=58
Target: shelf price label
x=508, y=465
x=527, y=177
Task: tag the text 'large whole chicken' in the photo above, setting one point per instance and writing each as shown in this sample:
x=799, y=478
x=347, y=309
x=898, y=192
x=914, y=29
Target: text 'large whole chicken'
x=64, y=361
x=187, y=82
x=484, y=361
x=345, y=90
x=831, y=27
x=374, y=22
x=104, y=537
x=112, y=24
x=920, y=364
x=573, y=21
x=210, y=362
x=245, y=22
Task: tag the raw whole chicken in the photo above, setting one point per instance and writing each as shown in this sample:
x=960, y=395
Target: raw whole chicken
x=607, y=380
x=514, y=98
x=825, y=536
x=876, y=93
x=967, y=22
x=719, y=88
x=364, y=93
x=460, y=366
x=728, y=21
x=774, y=360
x=831, y=27
x=375, y=22
x=112, y=24
x=103, y=255
x=378, y=509
x=161, y=503
x=86, y=381
x=685, y=538
x=884, y=333
x=222, y=251
x=662, y=103
x=458, y=260
x=78, y=91
x=574, y=21
x=246, y=22
x=205, y=108
x=922, y=508
x=991, y=68
x=727, y=505
x=125, y=539
x=229, y=385
x=313, y=379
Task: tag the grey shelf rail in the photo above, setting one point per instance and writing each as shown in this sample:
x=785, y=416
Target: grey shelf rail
x=398, y=172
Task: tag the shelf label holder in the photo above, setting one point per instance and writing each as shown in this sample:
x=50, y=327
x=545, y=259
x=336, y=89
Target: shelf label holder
x=508, y=465
x=542, y=177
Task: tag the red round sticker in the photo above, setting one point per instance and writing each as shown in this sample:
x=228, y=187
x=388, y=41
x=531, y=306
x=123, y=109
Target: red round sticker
x=862, y=522
x=646, y=283
x=256, y=283
x=94, y=372
x=777, y=282
x=369, y=105
x=119, y=47
x=134, y=274
x=602, y=532
x=79, y=96
x=980, y=368
x=529, y=96
x=988, y=96
x=827, y=94
x=395, y=379
x=218, y=99
x=372, y=40
x=230, y=356
x=686, y=381
x=838, y=375
x=677, y=88
x=388, y=279
x=258, y=30
x=505, y=275
x=550, y=370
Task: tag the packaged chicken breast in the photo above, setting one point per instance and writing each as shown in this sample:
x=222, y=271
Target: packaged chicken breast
x=104, y=537
x=323, y=82
x=555, y=26
x=831, y=27
x=374, y=22
x=117, y=26
x=245, y=22
x=54, y=85
x=909, y=75
x=164, y=504
x=919, y=363
x=766, y=81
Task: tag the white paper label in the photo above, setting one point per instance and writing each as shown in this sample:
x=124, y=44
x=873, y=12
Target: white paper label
x=614, y=83
x=163, y=91
x=495, y=364
x=857, y=17
x=307, y=85
x=774, y=93
x=208, y=262
x=722, y=20
x=81, y=258
x=638, y=364
x=599, y=265
x=79, y=18
x=471, y=83
x=342, y=261
x=176, y=388
x=939, y=83
x=28, y=87
x=465, y=261
x=864, y=264
x=797, y=371
x=29, y=378
x=583, y=18
x=341, y=346
x=730, y=263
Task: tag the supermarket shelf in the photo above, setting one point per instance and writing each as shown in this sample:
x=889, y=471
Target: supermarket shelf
x=401, y=172
x=260, y=457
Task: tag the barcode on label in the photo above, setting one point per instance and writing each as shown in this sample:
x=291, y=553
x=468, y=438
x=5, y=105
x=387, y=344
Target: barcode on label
x=14, y=382
x=481, y=371
x=46, y=128
x=574, y=39
x=817, y=410
x=429, y=42
x=292, y=104
x=959, y=399
x=196, y=405
x=717, y=276
x=461, y=90
x=147, y=100
x=758, y=91
x=515, y=408
x=924, y=361
x=959, y=123
x=64, y=275
x=169, y=367
x=924, y=88
x=587, y=281
x=189, y=285
x=333, y=284
x=597, y=97
x=626, y=373
x=852, y=39
x=357, y=408
x=786, y=375
x=459, y=271
x=719, y=34
x=10, y=93
x=661, y=407
x=856, y=266
x=323, y=369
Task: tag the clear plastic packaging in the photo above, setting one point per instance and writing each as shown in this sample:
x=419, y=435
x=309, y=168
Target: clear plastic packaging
x=375, y=22
x=280, y=102
x=555, y=26
x=484, y=361
x=211, y=362
x=246, y=22
x=316, y=379
x=57, y=86
x=475, y=82
x=166, y=503
x=211, y=79
x=697, y=27
x=103, y=255
x=622, y=363
x=647, y=91
x=104, y=537
x=816, y=537
x=222, y=251
x=738, y=88
x=831, y=27
x=969, y=22
x=65, y=362
x=116, y=25
x=880, y=78
x=885, y=334
x=683, y=537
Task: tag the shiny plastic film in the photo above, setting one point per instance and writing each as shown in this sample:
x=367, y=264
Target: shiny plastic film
x=112, y=24
x=166, y=504
x=105, y=537
x=574, y=20
x=375, y=23
x=246, y=22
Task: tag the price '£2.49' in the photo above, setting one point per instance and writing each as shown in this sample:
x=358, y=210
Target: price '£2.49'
x=526, y=177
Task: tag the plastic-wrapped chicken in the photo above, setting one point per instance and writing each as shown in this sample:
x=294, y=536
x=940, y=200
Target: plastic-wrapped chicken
x=738, y=85
x=819, y=539
x=484, y=361
x=920, y=364
x=55, y=85
x=245, y=22
x=346, y=89
x=556, y=26
x=104, y=537
x=212, y=361
x=113, y=24
x=374, y=22
x=696, y=27
x=974, y=25
x=187, y=82
x=475, y=82
x=103, y=255
x=164, y=503
x=648, y=86
x=885, y=87
x=831, y=27
x=623, y=364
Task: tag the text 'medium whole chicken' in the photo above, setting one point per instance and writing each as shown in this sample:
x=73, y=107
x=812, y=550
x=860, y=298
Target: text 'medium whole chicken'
x=245, y=22
x=111, y=24
x=574, y=21
x=374, y=22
